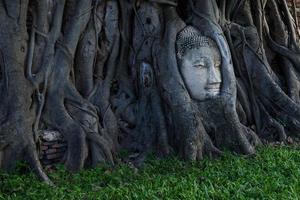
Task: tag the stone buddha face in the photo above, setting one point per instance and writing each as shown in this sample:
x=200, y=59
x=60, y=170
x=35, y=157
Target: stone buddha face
x=200, y=64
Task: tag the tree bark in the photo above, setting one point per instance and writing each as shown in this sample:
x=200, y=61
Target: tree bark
x=107, y=75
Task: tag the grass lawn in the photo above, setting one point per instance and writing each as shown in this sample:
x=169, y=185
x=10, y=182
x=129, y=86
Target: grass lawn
x=273, y=174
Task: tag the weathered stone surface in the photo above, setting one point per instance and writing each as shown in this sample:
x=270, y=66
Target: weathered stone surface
x=53, y=148
x=44, y=147
x=48, y=143
x=49, y=151
x=50, y=136
x=55, y=156
x=200, y=64
x=59, y=145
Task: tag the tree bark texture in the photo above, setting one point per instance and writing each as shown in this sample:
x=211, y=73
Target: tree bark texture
x=107, y=75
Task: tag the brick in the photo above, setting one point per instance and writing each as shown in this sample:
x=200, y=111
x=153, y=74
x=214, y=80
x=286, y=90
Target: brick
x=55, y=156
x=59, y=145
x=48, y=143
x=43, y=148
x=50, y=151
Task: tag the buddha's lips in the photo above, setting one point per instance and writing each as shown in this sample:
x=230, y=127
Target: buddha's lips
x=214, y=87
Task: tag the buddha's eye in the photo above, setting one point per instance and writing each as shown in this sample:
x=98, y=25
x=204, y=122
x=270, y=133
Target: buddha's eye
x=202, y=62
x=199, y=65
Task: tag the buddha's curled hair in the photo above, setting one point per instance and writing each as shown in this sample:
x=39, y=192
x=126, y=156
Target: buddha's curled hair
x=190, y=38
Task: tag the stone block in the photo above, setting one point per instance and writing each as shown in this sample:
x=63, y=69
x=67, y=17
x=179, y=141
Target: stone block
x=44, y=147
x=49, y=136
x=55, y=156
x=59, y=145
x=50, y=151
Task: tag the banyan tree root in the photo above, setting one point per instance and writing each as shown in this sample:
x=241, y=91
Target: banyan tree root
x=110, y=75
x=277, y=101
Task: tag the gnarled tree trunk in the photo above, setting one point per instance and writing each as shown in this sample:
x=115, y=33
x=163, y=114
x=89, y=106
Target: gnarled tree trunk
x=115, y=75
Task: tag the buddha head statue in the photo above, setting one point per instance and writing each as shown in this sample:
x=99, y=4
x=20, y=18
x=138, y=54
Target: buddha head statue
x=199, y=62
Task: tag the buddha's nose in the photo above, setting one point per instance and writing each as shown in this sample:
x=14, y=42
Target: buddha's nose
x=213, y=76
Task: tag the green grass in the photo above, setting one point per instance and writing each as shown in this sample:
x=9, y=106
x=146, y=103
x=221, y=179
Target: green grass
x=273, y=174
